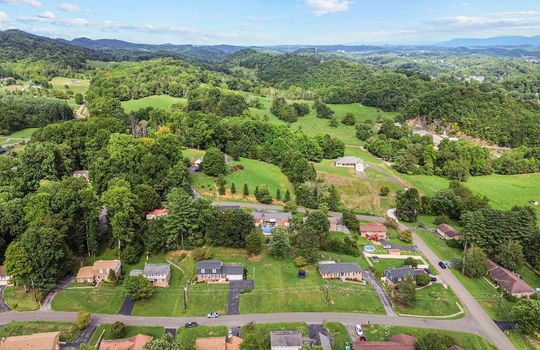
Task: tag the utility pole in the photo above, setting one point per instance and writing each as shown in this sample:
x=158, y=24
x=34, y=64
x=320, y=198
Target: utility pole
x=185, y=297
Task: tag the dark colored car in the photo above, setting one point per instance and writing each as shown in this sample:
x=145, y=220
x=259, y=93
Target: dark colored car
x=433, y=279
x=301, y=274
x=428, y=271
x=191, y=324
x=442, y=264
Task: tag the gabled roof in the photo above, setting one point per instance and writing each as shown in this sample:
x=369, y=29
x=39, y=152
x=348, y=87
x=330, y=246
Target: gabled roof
x=218, y=343
x=106, y=264
x=38, y=341
x=133, y=343
x=86, y=272
x=401, y=272
x=157, y=269
x=209, y=264
x=286, y=338
x=332, y=267
x=349, y=160
x=268, y=215
x=158, y=212
x=397, y=342
x=508, y=280
x=373, y=227
x=448, y=230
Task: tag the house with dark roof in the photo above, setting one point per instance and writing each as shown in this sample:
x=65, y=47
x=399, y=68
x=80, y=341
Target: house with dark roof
x=268, y=220
x=395, y=275
x=447, y=232
x=215, y=271
x=343, y=271
x=158, y=274
x=397, y=342
x=374, y=231
x=510, y=282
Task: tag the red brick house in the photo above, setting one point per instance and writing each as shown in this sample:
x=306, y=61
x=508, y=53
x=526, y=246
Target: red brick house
x=374, y=230
x=397, y=342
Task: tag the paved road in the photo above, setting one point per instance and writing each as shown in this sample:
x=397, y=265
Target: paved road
x=477, y=315
x=348, y=319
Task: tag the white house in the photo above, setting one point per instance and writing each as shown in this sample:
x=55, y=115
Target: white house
x=351, y=162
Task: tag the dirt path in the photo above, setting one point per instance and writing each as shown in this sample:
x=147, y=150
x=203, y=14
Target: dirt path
x=81, y=112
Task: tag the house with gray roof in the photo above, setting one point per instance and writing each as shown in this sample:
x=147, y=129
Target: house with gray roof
x=267, y=220
x=351, y=162
x=343, y=271
x=158, y=274
x=286, y=340
x=215, y=271
x=395, y=275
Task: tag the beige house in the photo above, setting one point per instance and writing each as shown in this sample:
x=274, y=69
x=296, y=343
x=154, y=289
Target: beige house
x=343, y=271
x=218, y=343
x=38, y=341
x=374, y=230
x=99, y=271
x=133, y=343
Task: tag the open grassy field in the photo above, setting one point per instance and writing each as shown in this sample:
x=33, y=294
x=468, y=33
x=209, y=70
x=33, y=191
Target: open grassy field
x=19, y=300
x=467, y=341
x=17, y=136
x=155, y=332
x=439, y=246
x=68, y=331
x=255, y=173
x=276, y=279
x=186, y=337
x=156, y=101
x=433, y=300
x=78, y=86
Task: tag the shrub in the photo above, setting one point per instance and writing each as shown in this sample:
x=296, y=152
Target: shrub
x=300, y=261
x=348, y=119
x=83, y=319
x=118, y=330
x=203, y=253
x=441, y=219
x=423, y=280
x=435, y=341
x=263, y=195
x=384, y=191
x=138, y=287
x=213, y=163
x=290, y=206
x=406, y=236
x=410, y=262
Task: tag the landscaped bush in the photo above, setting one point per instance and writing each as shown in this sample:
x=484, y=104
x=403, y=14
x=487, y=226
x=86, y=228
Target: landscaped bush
x=422, y=280
x=411, y=262
x=406, y=236
x=118, y=330
x=384, y=191
x=441, y=219
x=203, y=253
x=83, y=319
x=300, y=261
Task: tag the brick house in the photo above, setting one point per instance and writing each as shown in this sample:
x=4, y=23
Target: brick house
x=215, y=271
x=395, y=275
x=158, y=274
x=99, y=271
x=510, y=282
x=374, y=230
x=136, y=342
x=447, y=232
x=268, y=220
x=344, y=271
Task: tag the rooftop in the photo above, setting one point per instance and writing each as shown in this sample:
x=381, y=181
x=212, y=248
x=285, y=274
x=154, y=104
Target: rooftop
x=326, y=267
x=508, y=280
x=133, y=343
x=268, y=215
x=38, y=341
x=157, y=269
x=397, y=342
x=401, y=272
x=373, y=227
x=286, y=338
x=349, y=160
x=209, y=264
x=448, y=230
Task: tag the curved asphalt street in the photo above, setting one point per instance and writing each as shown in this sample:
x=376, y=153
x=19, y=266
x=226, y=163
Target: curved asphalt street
x=475, y=321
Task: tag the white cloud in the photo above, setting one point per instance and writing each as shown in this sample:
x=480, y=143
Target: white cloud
x=55, y=21
x=3, y=17
x=69, y=7
x=33, y=3
x=47, y=14
x=322, y=7
x=502, y=20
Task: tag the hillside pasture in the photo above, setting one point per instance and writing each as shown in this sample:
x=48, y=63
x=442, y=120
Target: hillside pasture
x=156, y=102
x=78, y=86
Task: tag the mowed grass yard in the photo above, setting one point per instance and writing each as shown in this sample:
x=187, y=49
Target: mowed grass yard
x=68, y=331
x=156, y=102
x=78, y=86
x=433, y=300
x=255, y=173
x=19, y=300
x=17, y=136
x=467, y=341
x=186, y=337
x=155, y=332
x=276, y=280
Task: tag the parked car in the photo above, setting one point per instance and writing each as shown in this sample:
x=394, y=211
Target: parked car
x=428, y=271
x=442, y=264
x=387, y=246
x=213, y=315
x=433, y=279
x=191, y=324
x=359, y=331
x=301, y=274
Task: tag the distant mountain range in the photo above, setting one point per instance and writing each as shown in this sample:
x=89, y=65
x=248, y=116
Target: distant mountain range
x=495, y=41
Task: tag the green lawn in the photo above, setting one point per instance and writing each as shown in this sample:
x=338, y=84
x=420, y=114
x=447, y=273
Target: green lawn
x=186, y=337
x=19, y=300
x=467, y=341
x=155, y=332
x=276, y=279
x=434, y=300
x=439, y=246
x=255, y=173
x=156, y=101
x=263, y=330
x=68, y=331
x=106, y=299
x=339, y=335
x=522, y=342
x=76, y=85
x=427, y=184
x=17, y=136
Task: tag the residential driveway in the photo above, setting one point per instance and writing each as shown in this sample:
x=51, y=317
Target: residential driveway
x=82, y=338
x=235, y=289
x=385, y=299
x=171, y=331
x=3, y=305
x=47, y=301
x=395, y=246
x=127, y=307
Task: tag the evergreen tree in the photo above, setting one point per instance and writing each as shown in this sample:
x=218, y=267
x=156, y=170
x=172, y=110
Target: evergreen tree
x=245, y=191
x=233, y=188
x=278, y=195
x=287, y=197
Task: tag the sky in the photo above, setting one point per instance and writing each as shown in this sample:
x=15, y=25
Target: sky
x=273, y=22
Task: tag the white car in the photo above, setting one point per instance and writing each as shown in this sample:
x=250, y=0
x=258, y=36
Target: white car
x=213, y=315
x=359, y=331
x=387, y=246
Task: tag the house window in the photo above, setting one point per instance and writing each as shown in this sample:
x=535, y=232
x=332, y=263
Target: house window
x=213, y=270
x=202, y=270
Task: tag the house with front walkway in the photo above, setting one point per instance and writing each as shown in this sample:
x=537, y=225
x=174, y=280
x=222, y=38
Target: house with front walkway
x=374, y=230
x=99, y=272
x=158, y=274
x=447, y=232
x=395, y=275
x=215, y=271
x=343, y=271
